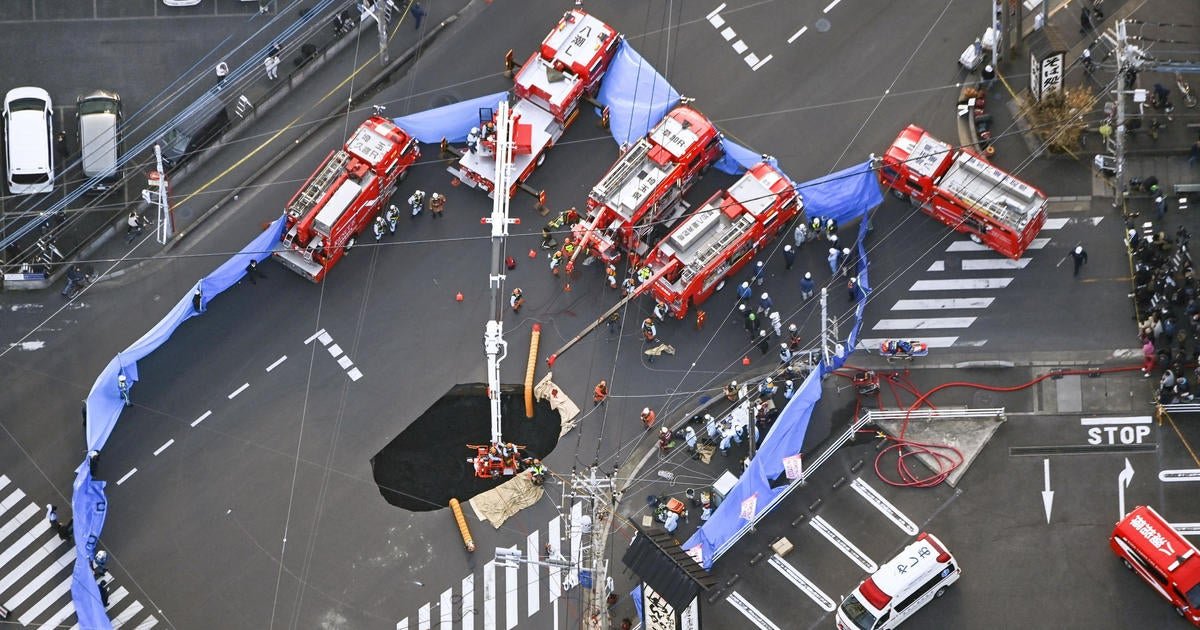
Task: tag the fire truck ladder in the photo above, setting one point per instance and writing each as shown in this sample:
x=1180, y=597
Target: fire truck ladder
x=631, y=161
x=320, y=183
x=737, y=229
x=494, y=345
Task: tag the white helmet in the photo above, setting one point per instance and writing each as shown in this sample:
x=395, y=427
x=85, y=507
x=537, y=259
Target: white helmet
x=783, y=346
x=765, y=296
x=101, y=555
x=742, y=307
x=833, y=238
x=774, y=315
x=646, y=411
x=1079, y=249
x=734, y=383
x=475, y=130
x=419, y=193
x=746, y=285
x=787, y=248
x=808, y=275
x=792, y=327
x=758, y=263
x=845, y=251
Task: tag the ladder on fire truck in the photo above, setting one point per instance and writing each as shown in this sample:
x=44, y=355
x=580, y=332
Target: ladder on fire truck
x=316, y=189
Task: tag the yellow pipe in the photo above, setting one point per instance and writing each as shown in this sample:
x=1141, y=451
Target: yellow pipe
x=529, y=369
x=462, y=525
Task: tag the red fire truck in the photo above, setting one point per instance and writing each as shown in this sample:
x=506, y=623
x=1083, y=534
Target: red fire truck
x=343, y=196
x=1156, y=552
x=548, y=89
x=964, y=191
x=721, y=236
x=643, y=191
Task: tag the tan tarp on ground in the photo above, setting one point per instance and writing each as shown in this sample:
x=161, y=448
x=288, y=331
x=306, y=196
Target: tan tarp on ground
x=567, y=410
x=503, y=501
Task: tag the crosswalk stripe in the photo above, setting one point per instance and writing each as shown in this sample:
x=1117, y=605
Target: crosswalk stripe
x=1055, y=223
x=59, y=617
x=45, y=602
x=943, y=305
x=423, y=621
x=750, y=612
x=402, y=624
x=510, y=596
x=960, y=284
x=932, y=342
x=41, y=580
x=446, y=612
x=938, y=265
x=924, y=323
x=113, y=599
x=3, y=481
x=972, y=246
x=555, y=572
x=132, y=610
x=534, y=571
x=489, y=595
x=468, y=601
x=150, y=622
x=16, y=523
x=993, y=264
x=32, y=561
x=1039, y=243
x=12, y=500
x=793, y=575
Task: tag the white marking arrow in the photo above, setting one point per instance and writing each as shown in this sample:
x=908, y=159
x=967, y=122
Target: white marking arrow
x=1047, y=494
x=1123, y=480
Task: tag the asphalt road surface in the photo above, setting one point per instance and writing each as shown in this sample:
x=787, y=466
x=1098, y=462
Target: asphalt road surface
x=240, y=481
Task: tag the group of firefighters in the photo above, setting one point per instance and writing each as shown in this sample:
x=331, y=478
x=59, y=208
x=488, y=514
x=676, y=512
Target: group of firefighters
x=386, y=222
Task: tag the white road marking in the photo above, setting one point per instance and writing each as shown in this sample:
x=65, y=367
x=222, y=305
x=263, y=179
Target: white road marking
x=446, y=609
x=883, y=505
x=16, y=523
x=164, y=447
x=40, y=607
x=960, y=284
x=12, y=500
x=41, y=580
x=276, y=363
x=354, y=374
x=797, y=34
x=555, y=572
x=1088, y=422
x=1039, y=243
x=3, y=481
x=150, y=622
x=739, y=47
x=239, y=390
x=728, y=34
x=468, y=601
x=1187, y=529
x=489, y=595
x=202, y=417
x=324, y=338
x=716, y=11
x=1166, y=476
x=990, y=264
x=751, y=59
x=843, y=544
x=30, y=537
x=755, y=616
x=532, y=551
x=126, y=476
x=947, y=304
x=335, y=350
x=760, y=64
x=717, y=21
x=127, y=614
x=423, y=621
x=345, y=362
x=510, y=596
x=924, y=324
x=803, y=583
x=938, y=265
x=932, y=342
x=830, y=6
x=402, y=624
x=1055, y=224
x=316, y=335
x=59, y=617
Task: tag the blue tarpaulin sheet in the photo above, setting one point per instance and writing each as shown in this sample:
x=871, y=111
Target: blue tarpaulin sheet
x=636, y=95
x=737, y=158
x=451, y=122
x=842, y=195
x=104, y=405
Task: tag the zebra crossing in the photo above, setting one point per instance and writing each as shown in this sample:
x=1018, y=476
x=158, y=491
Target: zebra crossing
x=916, y=316
x=498, y=605
x=36, y=570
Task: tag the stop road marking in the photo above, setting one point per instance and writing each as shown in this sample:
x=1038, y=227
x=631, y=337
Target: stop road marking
x=1117, y=430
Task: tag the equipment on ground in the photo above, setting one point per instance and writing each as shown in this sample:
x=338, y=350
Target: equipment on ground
x=903, y=349
x=721, y=236
x=642, y=193
x=547, y=91
x=964, y=191
x=343, y=197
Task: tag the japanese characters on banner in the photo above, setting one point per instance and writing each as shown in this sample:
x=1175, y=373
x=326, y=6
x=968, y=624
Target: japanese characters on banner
x=793, y=466
x=690, y=619
x=750, y=506
x=1046, y=74
x=659, y=614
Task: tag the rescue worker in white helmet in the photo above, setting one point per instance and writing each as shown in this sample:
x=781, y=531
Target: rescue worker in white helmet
x=830, y=228
x=392, y=216
x=379, y=227
x=416, y=202
x=473, y=139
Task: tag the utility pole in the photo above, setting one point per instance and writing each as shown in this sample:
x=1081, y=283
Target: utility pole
x=1119, y=136
x=598, y=493
x=156, y=195
x=381, y=12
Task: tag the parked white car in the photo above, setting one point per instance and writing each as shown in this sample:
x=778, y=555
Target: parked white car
x=29, y=141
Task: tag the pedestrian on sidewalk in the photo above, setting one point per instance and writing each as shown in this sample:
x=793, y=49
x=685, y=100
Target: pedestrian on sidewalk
x=789, y=257
x=689, y=436
x=271, y=64
x=1079, y=257
x=647, y=418
x=222, y=71
x=437, y=204
x=418, y=14
x=1148, y=357
x=807, y=287
x=600, y=394
x=988, y=76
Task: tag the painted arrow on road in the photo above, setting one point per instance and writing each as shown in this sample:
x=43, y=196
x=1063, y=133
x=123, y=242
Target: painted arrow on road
x=1123, y=480
x=1047, y=494
x=1188, y=474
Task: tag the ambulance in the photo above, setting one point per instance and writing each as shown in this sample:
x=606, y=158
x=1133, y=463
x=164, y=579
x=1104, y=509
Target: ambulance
x=920, y=573
x=1151, y=548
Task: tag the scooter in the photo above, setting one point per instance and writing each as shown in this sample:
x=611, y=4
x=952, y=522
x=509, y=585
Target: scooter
x=903, y=349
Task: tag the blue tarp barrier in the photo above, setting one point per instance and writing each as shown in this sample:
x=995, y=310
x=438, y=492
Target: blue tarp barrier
x=451, y=122
x=104, y=405
x=636, y=95
x=844, y=195
x=636, y=595
x=737, y=159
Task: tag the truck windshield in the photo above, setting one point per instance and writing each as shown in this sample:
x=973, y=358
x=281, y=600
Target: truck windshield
x=1193, y=597
x=857, y=613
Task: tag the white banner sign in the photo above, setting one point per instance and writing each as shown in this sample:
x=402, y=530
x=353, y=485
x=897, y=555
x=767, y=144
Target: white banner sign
x=1035, y=77
x=1052, y=74
x=659, y=614
x=793, y=466
x=749, y=506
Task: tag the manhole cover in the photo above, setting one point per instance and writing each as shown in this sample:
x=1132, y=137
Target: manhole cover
x=822, y=25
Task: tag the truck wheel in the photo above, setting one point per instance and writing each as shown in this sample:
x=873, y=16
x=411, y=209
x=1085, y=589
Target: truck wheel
x=541, y=159
x=349, y=245
x=938, y=593
x=975, y=238
x=899, y=194
x=1181, y=611
x=1126, y=563
x=720, y=285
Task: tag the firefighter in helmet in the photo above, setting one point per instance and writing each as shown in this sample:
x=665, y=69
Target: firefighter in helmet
x=610, y=273
x=830, y=228
x=649, y=331
x=392, y=216
x=814, y=226
x=537, y=472
x=516, y=300
x=379, y=227
x=473, y=139
x=416, y=202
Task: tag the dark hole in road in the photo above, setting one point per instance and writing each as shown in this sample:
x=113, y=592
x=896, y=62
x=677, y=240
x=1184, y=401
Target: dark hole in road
x=426, y=465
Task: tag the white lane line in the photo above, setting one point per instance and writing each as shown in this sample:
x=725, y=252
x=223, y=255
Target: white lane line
x=760, y=64
x=883, y=505
x=165, y=446
x=314, y=336
x=554, y=536
x=990, y=264
x=960, y=284
x=1170, y=476
x=345, y=362
x=16, y=523
x=946, y=304
x=938, y=265
x=423, y=617
x=127, y=614
x=510, y=596
x=468, y=601
x=750, y=612
x=739, y=46
x=41, y=580
x=531, y=551
x=1087, y=422
x=40, y=607
x=797, y=34
x=402, y=624
x=716, y=11
x=126, y=476
x=489, y=595
x=239, y=390
x=805, y=585
x=276, y=363
x=830, y=6
x=446, y=612
x=149, y=622
x=354, y=374
x=728, y=34
x=29, y=538
x=843, y=544
x=204, y=416
x=335, y=350
x=932, y=342
x=12, y=500
x=1039, y=243
x=1055, y=224
x=3, y=481
x=924, y=324
x=1187, y=529
x=57, y=618
x=972, y=246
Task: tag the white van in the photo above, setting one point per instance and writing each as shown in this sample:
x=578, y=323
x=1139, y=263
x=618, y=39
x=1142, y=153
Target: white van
x=901, y=587
x=99, y=118
x=29, y=138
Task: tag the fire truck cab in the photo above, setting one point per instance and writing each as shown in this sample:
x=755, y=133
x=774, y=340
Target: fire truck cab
x=643, y=191
x=964, y=191
x=1151, y=548
x=343, y=196
x=721, y=236
x=547, y=91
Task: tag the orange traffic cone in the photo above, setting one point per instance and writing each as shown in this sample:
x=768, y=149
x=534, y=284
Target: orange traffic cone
x=745, y=360
x=458, y=297
x=567, y=287
x=532, y=253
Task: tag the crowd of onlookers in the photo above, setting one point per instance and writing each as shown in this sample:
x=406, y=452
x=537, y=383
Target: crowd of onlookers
x=1165, y=294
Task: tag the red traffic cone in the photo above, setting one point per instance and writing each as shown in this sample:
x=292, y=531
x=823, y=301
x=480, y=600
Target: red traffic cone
x=532, y=253
x=745, y=360
x=458, y=297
